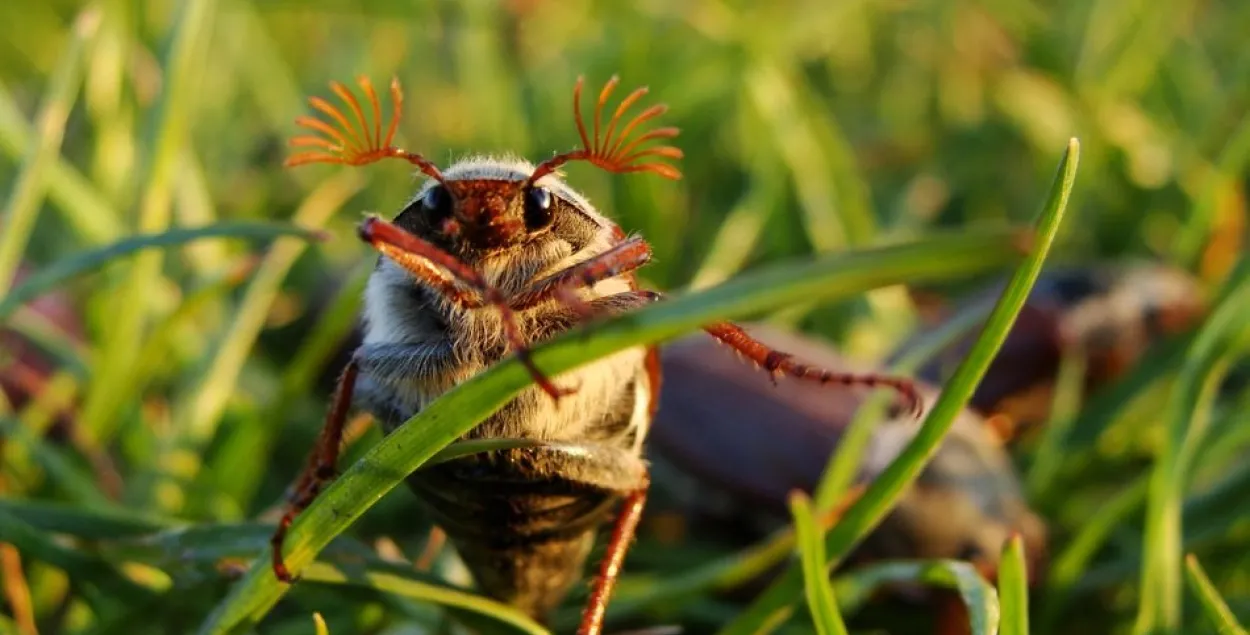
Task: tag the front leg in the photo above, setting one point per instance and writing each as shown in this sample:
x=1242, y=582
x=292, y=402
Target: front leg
x=369, y=382
x=625, y=257
x=773, y=361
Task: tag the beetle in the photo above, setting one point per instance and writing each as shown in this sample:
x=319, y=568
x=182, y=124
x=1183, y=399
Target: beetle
x=719, y=435
x=1110, y=312
x=488, y=257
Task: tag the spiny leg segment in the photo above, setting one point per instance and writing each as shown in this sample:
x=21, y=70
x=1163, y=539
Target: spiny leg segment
x=320, y=468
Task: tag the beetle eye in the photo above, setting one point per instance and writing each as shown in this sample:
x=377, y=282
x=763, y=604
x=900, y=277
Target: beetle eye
x=436, y=204
x=538, y=208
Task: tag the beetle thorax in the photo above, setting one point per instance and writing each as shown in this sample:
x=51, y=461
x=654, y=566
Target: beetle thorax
x=400, y=309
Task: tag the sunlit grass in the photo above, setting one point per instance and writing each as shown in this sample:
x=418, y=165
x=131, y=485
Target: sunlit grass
x=835, y=154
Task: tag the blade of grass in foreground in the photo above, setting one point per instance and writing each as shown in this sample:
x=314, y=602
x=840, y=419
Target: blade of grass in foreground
x=882, y=494
x=456, y=412
x=1013, y=588
x=736, y=568
x=1214, y=606
x=811, y=552
x=856, y=587
x=50, y=277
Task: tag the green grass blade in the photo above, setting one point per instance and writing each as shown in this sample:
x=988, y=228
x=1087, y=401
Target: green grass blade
x=1074, y=559
x=881, y=495
x=112, y=387
x=72, y=520
x=855, y=588
x=1218, y=342
x=218, y=383
x=1065, y=406
x=811, y=553
x=1013, y=588
x=81, y=567
x=845, y=462
x=1216, y=609
x=86, y=211
x=26, y=197
x=50, y=277
x=398, y=582
x=406, y=449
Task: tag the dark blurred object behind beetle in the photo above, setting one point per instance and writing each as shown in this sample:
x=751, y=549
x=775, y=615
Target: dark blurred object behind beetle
x=728, y=450
x=1113, y=313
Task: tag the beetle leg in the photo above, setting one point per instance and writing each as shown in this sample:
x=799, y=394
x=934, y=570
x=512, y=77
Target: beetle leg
x=458, y=281
x=780, y=363
x=613, y=560
x=625, y=257
x=320, y=468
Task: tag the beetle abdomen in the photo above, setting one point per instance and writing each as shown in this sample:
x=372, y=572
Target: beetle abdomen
x=524, y=520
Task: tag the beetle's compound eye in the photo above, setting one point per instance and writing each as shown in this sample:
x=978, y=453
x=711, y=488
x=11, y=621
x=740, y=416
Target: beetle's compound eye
x=437, y=203
x=539, y=209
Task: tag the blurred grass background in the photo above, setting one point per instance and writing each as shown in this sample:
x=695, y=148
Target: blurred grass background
x=194, y=380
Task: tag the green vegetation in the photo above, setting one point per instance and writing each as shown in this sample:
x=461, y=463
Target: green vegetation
x=833, y=152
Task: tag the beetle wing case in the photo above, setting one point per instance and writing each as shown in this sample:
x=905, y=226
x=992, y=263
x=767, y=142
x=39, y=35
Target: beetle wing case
x=751, y=443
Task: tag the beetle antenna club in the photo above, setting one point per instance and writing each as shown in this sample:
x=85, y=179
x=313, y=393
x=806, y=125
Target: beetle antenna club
x=355, y=145
x=617, y=152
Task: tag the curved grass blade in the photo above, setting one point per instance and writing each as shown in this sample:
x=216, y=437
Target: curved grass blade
x=73, y=520
x=855, y=588
x=1214, y=605
x=811, y=552
x=48, y=278
x=85, y=210
x=200, y=414
x=171, y=119
x=1068, y=567
x=1013, y=588
x=734, y=569
x=871, y=508
x=26, y=196
x=81, y=567
x=396, y=581
x=845, y=462
x=1218, y=342
x=456, y=412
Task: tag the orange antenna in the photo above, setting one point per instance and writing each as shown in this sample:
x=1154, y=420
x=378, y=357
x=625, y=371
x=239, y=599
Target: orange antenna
x=617, y=152
x=356, y=144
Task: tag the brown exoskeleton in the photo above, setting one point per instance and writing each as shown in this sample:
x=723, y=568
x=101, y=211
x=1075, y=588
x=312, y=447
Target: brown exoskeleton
x=488, y=257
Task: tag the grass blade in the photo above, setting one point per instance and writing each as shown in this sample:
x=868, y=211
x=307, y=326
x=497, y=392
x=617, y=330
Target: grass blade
x=811, y=552
x=1220, y=339
x=1216, y=609
x=112, y=387
x=72, y=520
x=26, y=197
x=854, y=589
x=50, y=277
x=1013, y=588
x=81, y=567
x=844, y=465
x=86, y=211
x=218, y=383
x=398, y=582
x=876, y=502
x=407, y=448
